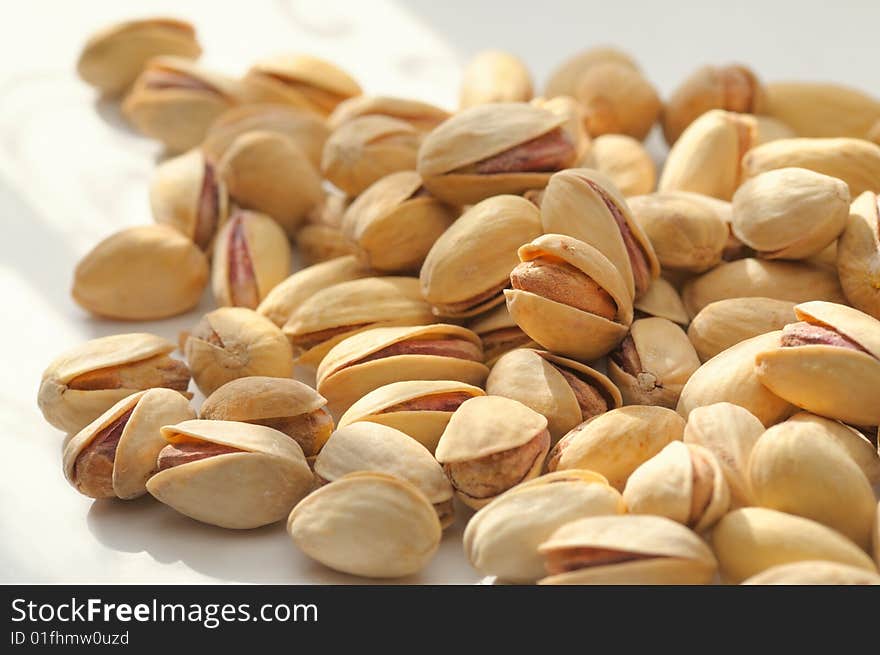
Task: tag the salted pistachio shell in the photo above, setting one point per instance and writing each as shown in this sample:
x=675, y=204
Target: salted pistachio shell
x=141, y=273
x=114, y=56
x=395, y=222
x=368, y=524
x=256, y=480
x=661, y=300
x=857, y=446
x=494, y=76
x=813, y=572
x=753, y=539
x=725, y=323
x=858, y=255
x=626, y=162
x=468, y=266
x=617, y=99
x=502, y=538
x=573, y=113
x=614, y=444
x=418, y=408
x=499, y=333
x=564, y=391
x=642, y=549
x=113, y=456
x=317, y=243
x=82, y=383
x=235, y=342
x=817, y=109
x=564, y=78
x=422, y=116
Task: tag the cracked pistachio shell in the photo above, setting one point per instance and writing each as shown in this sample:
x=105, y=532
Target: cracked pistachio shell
x=235, y=342
x=469, y=265
x=134, y=456
x=667, y=360
x=750, y=540
x=564, y=78
x=113, y=57
x=494, y=76
x=706, y=158
x=317, y=243
x=238, y=490
x=499, y=333
x=795, y=468
x=344, y=377
x=336, y=312
x=661, y=300
x=479, y=133
x=729, y=432
x=724, y=323
x=502, y=538
x=560, y=327
x=857, y=445
x=626, y=162
x=730, y=377
x=534, y=378
x=617, y=99
x=834, y=382
x=858, y=255
x=283, y=299
x=381, y=449
x=616, y=443
x=141, y=273
x=813, y=572
x=366, y=149
x=822, y=110
x=422, y=116
x=757, y=278
x=368, y=524
x=175, y=101
x=394, y=224
x=84, y=382
x=573, y=112
x=661, y=551
x=418, y=408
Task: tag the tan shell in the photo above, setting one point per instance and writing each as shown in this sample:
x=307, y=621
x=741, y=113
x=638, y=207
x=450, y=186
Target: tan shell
x=141, y=273
x=661, y=300
x=617, y=99
x=574, y=128
x=822, y=109
x=857, y=446
x=858, y=255
x=616, y=443
x=499, y=333
x=318, y=243
x=242, y=490
x=425, y=426
x=626, y=162
x=494, y=76
x=135, y=455
x=813, y=572
x=422, y=116
x=367, y=524
x=476, y=254
x=753, y=539
x=666, y=552
x=565, y=77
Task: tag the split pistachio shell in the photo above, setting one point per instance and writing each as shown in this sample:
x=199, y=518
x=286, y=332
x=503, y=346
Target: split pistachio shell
x=469, y=265
x=616, y=443
x=617, y=99
x=564, y=391
x=113, y=57
x=418, y=408
x=422, y=116
x=113, y=456
x=573, y=113
x=565, y=77
x=395, y=222
x=367, y=524
x=653, y=363
x=321, y=243
x=823, y=110
x=626, y=549
x=494, y=76
x=235, y=342
x=626, y=162
x=753, y=539
x=502, y=538
x=814, y=572
x=84, y=382
x=858, y=254
x=725, y=323
x=256, y=478
x=141, y=273
x=857, y=446
x=286, y=405
x=661, y=300
x=499, y=333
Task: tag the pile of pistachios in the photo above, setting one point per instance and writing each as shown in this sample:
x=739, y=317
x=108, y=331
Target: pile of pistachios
x=613, y=375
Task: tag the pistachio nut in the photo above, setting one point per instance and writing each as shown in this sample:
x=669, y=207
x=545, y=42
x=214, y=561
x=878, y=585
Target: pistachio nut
x=368, y=524
x=230, y=474
x=821, y=109
x=564, y=391
x=318, y=243
x=661, y=300
x=141, y=273
x=750, y=540
x=499, y=334
x=365, y=446
x=84, y=382
x=422, y=116
x=813, y=572
x=235, y=342
x=573, y=112
x=826, y=363
x=564, y=78
x=502, y=538
x=418, y=408
x=494, y=76
x=858, y=446
x=113, y=456
x=489, y=150
x=286, y=405
x=858, y=255
x=379, y=356
x=565, y=288
x=626, y=549
x=470, y=263
x=490, y=445
x=626, y=162
x=395, y=222
x=616, y=443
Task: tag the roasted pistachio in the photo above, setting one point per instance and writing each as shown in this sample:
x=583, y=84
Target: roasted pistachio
x=661, y=300
x=857, y=445
x=499, y=334
x=570, y=109
x=564, y=78
x=814, y=572
x=421, y=115
x=822, y=110
x=494, y=76
x=626, y=162
x=858, y=255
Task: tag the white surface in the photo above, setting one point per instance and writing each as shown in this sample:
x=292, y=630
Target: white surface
x=71, y=173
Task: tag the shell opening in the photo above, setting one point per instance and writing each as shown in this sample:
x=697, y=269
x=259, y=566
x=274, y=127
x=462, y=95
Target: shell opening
x=243, y=291
x=566, y=560
x=591, y=398
x=93, y=468
x=190, y=451
x=546, y=153
x=803, y=333
x=438, y=402
x=208, y=210
x=310, y=430
x=498, y=342
x=702, y=486
x=156, y=371
x=449, y=347
x=303, y=342
x=557, y=280
x=465, y=306
x=163, y=78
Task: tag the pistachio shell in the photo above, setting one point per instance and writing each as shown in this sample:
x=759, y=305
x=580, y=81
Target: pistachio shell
x=421, y=115
x=564, y=78
x=626, y=162
x=858, y=255
x=661, y=300
x=857, y=446
x=494, y=76
x=574, y=128
x=320, y=243
x=821, y=109
x=772, y=129
x=813, y=572
x=499, y=333
x=617, y=99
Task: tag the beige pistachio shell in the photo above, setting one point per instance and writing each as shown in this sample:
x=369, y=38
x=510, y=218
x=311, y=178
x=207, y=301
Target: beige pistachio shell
x=816, y=109
x=499, y=333
x=422, y=116
x=626, y=162
x=753, y=539
x=141, y=273
x=317, y=243
x=772, y=129
x=813, y=572
x=661, y=300
x=564, y=78
x=574, y=128
x=494, y=76
x=367, y=524
x=617, y=99
x=858, y=255
x=857, y=446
